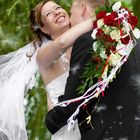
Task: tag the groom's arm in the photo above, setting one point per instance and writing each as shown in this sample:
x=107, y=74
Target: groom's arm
x=58, y=116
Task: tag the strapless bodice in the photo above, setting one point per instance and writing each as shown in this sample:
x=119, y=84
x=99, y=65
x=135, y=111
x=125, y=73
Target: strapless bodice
x=56, y=88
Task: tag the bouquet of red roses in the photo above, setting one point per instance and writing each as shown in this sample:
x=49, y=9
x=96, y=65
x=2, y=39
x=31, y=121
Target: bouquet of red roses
x=115, y=35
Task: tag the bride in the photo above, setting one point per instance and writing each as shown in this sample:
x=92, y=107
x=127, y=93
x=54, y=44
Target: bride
x=53, y=21
x=17, y=69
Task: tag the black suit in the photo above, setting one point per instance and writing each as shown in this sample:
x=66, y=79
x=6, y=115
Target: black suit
x=117, y=114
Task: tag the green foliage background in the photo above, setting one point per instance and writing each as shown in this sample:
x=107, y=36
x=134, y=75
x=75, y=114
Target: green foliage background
x=15, y=33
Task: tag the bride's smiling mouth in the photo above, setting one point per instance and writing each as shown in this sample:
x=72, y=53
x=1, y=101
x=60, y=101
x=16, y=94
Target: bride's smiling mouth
x=60, y=19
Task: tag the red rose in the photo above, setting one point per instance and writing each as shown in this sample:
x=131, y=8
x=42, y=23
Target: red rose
x=133, y=20
x=108, y=39
x=110, y=19
x=99, y=33
x=101, y=15
x=112, y=48
x=117, y=23
x=97, y=68
x=95, y=24
x=125, y=40
x=114, y=14
x=96, y=59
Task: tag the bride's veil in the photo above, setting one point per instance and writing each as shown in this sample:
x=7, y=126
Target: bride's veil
x=17, y=75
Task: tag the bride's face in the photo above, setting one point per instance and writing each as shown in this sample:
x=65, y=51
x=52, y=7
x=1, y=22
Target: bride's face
x=55, y=19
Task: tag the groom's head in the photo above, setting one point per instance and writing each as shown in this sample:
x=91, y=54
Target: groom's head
x=83, y=9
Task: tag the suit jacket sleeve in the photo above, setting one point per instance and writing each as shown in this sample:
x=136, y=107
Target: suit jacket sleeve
x=58, y=116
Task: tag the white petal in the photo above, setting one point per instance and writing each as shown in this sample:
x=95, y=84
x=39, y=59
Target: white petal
x=93, y=35
x=95, y=46
x=103, y=54
x=116, y=6
x=114, y=59
x=136, y=33
x=100, y=23
x=107, y=14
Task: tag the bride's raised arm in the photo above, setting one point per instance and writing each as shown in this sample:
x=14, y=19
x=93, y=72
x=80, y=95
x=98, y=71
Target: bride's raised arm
x=46, y=55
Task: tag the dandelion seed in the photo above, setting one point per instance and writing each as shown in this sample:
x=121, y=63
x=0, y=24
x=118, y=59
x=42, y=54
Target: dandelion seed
x=119, y=108
x=99, y=109
x=75, y=68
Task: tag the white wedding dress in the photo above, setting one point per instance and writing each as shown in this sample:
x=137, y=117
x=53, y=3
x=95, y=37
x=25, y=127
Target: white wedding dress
x=54, y=90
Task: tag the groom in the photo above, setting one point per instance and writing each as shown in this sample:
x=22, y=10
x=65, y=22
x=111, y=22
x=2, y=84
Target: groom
x=117, y=115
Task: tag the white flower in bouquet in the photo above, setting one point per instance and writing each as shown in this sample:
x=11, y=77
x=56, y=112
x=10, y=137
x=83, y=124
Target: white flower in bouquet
x=95, y=46
x=103, y=54
x=100, y=23
x=114, y=59
x=106, y=29
x=115, y=34
x=136, y=33
x=116, y=6
x=93, y=35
